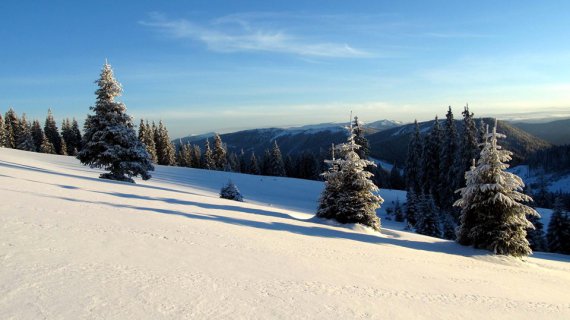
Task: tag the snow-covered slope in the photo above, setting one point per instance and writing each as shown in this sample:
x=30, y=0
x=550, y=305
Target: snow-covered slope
x=73, y=246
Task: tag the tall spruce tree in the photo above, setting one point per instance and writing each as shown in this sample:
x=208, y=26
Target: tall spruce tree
x=276, y=164
x=558, y=234
x=165, y=151
x=428, y=217
x=468, y=146
x=52, y=132
x=359, y=139
x=76, y=136
x=448, y=181
x=12, y=126
x=2, y=133
x=146, y=135
x=219, y=154
x=254, y=165
x=413, y=161
x=110, y=141
x=46, y=146
x=208, y=157
x=493, y=215
x=25, y=139
x=430, y=166
x=412, y=206
x=37, y=134
x=196, y=156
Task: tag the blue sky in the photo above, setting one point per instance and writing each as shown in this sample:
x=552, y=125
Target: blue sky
x=227, y=65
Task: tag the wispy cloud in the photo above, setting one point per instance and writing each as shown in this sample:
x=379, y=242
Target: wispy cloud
x=244, y=37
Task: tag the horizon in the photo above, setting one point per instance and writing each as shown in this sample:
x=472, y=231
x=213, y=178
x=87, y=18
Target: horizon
x=219, y=67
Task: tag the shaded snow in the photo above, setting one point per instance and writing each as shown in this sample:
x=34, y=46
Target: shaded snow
x=74, y=246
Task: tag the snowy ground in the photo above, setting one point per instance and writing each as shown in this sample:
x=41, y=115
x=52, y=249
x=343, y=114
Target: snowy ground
x=76, y=247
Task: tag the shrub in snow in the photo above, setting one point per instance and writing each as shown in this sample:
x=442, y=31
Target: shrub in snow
x=110, y=142
x=492, y=215
x=231, y=192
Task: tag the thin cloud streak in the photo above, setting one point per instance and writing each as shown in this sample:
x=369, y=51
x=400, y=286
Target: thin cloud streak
x=246, y=38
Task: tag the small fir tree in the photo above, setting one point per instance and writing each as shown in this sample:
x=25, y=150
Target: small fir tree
x=208, y=160
x=493, y=215
x=110, y=141
x=231, y=192
x=428, y=221
x=276, y=164
x=219, y=155
x=12, y=126
x=25, y=139
x=558, y=234
x=52, y=132
x=2, y=133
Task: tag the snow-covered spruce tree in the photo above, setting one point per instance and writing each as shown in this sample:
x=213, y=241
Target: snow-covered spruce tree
x=12, y=126
x=493, y=216
x=185, y=155
x=46, y=146
x=219, y=155
x=360, y=140
x=231, y=192
x=2, y=133
x=558, y=234
x=428, y=217
x=357, y=199
x=25, y=140
x=165, y=151
x=468, y=147
x=76, y=134
x=146, y=136
x=52, y=132
x=110, y=141
x=276, y=164
x=328, y=202
x=208, y=157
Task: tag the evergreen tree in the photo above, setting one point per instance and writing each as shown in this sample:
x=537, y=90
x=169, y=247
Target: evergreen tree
x=448, y=181
x=413, y=161
x=396, y=180
x=307, y=166
x=2, y=133
x=165, y=151
x=63, y=145
x=233, y=163
x=356, y=201
x=265, y=166
x=243, y=166
x=185, y=155
x=253, y=165
x=110, y=141
x=12, y=125
x=146, y=136
x=412, y=204
x=276, y=165
x=219, y=154
x=52, y=132
x=25, y=140
x=46, y=146
x=558, y=234
x=430, y=166
x=37, y=135
x=535, y=236
x=196, y=156
x=468, y=147
x=208, y=161
x=493, y=216
x=328, y=201
x=67, y=135
x=76, y=133
x=360, y=140
x=428, y=221
x=398, y=212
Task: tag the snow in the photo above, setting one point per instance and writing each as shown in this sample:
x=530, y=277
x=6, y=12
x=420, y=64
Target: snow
x=74, y=246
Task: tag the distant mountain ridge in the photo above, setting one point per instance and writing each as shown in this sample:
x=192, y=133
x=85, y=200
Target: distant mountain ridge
x=556, y=132
x=388, y=139
x=314, y=138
